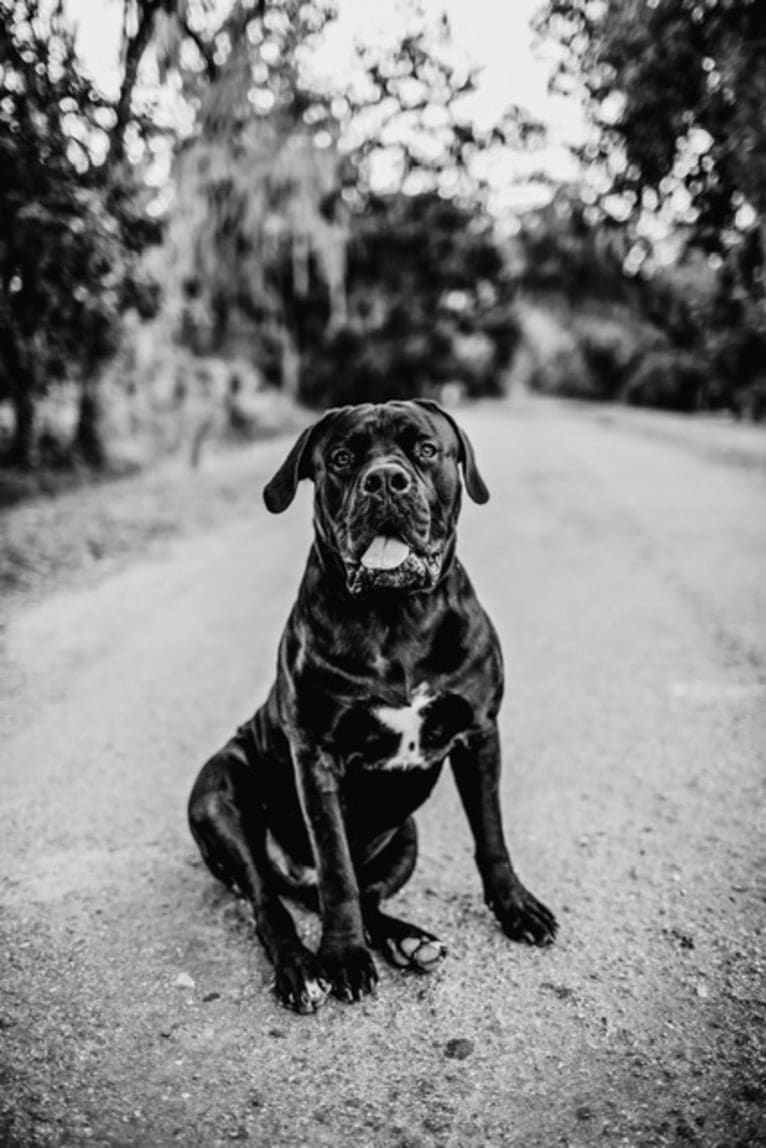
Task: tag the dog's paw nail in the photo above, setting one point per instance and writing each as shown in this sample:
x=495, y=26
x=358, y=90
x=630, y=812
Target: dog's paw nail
x=314, y=994
x=525, y=919
x=352, y=971
x=299, y=984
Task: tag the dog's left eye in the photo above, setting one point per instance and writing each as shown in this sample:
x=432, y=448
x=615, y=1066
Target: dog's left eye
x=341, y=458
x=427, y=450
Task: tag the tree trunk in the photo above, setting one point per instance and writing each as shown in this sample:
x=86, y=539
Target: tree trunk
x=89, y=440
x=20, y=367
x=22, y=451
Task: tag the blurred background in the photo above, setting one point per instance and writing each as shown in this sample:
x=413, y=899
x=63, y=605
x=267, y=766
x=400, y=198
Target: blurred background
x=217, y=213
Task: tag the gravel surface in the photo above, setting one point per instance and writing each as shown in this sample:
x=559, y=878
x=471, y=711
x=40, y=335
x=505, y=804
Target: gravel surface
x=625, y=573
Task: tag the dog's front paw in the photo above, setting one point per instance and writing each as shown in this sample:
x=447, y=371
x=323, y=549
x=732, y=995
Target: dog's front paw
x=301, y=983
x=350, y=970
x=523, y=918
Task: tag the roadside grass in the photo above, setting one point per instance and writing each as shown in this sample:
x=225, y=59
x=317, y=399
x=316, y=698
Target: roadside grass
x=79, y=530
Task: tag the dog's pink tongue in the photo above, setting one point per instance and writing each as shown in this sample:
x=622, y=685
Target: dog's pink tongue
x=385, y=553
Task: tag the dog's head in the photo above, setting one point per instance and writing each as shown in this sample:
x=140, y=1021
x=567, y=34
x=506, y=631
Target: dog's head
x=387, y=479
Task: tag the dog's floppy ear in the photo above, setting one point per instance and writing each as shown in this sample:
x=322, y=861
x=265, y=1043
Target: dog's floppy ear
x=474, y=483
x=280, y=491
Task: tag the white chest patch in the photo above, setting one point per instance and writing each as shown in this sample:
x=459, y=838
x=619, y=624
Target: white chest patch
x=407, y=721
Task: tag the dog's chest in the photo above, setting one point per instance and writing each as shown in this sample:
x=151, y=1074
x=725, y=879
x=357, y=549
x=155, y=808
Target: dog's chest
x=407, y=724
x=413, y=735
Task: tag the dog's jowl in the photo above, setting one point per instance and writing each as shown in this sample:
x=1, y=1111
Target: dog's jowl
x=388, y=666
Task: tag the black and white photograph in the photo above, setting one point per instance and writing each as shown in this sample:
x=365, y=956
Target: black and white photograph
x=383, y=573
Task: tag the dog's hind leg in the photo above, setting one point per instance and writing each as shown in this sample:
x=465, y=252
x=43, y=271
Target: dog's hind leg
x=227, y=822
x=404, y=945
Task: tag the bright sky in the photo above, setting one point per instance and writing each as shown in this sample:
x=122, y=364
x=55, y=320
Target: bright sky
x=495, y=36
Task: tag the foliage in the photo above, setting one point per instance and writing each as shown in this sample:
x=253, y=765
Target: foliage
x=561, y=248
x=409, y=122
x=272, y=184
x=69, y=242
x=429, y=303
x=256, y=191
x=670, y=379
x=279, y=241
x=607, y=321
x=676, y=91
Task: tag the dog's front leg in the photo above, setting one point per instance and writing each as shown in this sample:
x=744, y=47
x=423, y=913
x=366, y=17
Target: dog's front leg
x=476, y=765
x=343, y=953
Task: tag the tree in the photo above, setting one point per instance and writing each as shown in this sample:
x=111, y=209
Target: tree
x=676, y=91
x=68, y=243
x=277, y=181
x=257, y=187
x=407, y=110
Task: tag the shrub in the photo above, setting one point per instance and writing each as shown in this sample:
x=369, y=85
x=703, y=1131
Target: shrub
x=584, y=354
x=610, y=350
x=670, y=379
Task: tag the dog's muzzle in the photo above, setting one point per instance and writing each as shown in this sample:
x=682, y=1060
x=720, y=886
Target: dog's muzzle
x=386, y=543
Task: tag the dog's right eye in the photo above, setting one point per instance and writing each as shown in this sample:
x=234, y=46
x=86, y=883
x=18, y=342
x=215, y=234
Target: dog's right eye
x=341, y=458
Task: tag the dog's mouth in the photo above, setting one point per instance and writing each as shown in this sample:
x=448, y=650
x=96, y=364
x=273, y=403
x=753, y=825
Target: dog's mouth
x=385, y=552
x=388, y=562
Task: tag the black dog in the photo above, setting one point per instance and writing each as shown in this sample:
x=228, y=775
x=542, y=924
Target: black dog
x=387, y=666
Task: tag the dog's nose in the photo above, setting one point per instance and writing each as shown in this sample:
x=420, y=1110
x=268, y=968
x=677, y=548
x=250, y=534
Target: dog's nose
x=386, y=478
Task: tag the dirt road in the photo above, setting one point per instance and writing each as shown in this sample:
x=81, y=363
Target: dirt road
x=624, y=562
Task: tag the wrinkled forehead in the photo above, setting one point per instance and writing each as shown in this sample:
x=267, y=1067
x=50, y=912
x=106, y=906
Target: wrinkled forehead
x=382, y=425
